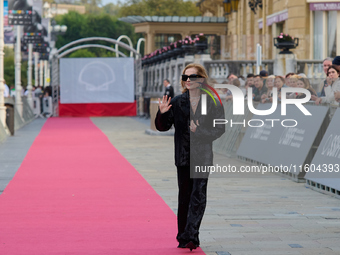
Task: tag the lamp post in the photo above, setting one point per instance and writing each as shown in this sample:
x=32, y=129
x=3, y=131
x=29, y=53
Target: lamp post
x=227, y=7
x=234, y=5
x=18, y=88
x=56, y=30
x=2, y=87
x=230, y=6
x=29, y=77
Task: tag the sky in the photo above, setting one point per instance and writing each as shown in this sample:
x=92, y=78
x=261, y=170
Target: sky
x=104, y=2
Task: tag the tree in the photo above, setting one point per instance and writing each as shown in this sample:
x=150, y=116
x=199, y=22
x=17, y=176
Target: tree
x=9, y=68
x=159, y=8
x=111, y=9
x=90, y=25
x=82, y=53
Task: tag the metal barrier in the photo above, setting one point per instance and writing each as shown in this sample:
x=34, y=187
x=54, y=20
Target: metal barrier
x=229, y=142
x=3, y=134
x=19, y=122
x=47, y=107
x=323, y=173
x=27, y=113
x=36, y=106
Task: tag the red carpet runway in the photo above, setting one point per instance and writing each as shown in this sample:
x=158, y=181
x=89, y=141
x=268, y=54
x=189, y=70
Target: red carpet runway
x=75, y=193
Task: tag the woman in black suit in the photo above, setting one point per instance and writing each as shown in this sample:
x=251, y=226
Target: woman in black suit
x=194, y=134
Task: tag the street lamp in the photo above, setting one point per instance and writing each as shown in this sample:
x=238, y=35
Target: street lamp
x=234, y=5
x=227, y=7
x=230, y=6
x=57, y=30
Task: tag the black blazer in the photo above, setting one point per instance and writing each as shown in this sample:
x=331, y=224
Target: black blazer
x=169, y=91
x=196, y=146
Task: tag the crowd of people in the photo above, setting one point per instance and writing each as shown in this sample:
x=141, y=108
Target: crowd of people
x=37, y=91
x=262, y=84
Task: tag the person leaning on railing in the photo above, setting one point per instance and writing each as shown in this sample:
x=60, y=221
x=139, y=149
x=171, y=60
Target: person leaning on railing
x=331, y=94
x=267, y=97
x=304, y=83
x=279, y=83
x=325, y=65
x=260, y=89
x=229, y=95
x=293, y=80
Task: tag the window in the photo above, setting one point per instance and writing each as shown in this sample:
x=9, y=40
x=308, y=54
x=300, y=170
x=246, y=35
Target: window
x=162, y=40
x=318, y=38
x=214, y=45
x=279, y=28
x=331, y=32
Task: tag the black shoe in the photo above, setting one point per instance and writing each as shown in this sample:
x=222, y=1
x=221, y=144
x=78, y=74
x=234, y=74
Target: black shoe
x=181, y=245
x=191, y=246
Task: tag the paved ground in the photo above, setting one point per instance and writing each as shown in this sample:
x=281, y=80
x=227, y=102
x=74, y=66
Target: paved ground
x=14, y=149
x=246, y=215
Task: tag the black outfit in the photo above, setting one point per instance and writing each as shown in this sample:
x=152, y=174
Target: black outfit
x=191, y=149
x=259, y=92
x=322, y=94
x=169, y=91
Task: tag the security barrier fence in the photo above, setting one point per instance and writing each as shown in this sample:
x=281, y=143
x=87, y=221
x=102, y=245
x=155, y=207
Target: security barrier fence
x=14, y=120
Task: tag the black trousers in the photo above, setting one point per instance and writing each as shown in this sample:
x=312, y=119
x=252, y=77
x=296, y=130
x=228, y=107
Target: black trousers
x=192, y=200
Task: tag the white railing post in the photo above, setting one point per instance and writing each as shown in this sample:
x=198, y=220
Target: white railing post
x=29, y=78
x=2, y=87
x=309, y=66
x=18, y=88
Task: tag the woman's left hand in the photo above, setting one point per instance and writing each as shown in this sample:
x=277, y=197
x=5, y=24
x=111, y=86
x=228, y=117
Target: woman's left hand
x=193, y=126
x=337, y=96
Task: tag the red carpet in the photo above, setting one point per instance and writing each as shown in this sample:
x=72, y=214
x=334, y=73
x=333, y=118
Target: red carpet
x=76, y=194
x=97, y=109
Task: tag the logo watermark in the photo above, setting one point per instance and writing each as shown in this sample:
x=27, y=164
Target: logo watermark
x=238, y=106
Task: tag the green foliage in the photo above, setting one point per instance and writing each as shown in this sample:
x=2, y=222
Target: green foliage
x=159, y=8
x=90, y=25
x=82, y=53
x=111, y=9
x=9, y=68
x=285, y=38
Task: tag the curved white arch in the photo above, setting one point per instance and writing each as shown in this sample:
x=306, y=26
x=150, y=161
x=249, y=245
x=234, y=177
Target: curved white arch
x=140, y=40
x=130, y=43
x=125, y=46
x=89, y=46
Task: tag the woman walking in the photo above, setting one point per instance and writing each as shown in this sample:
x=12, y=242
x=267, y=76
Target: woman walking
x=194, y=134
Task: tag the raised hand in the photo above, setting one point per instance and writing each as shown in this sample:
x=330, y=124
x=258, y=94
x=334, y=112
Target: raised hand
x=313, y=97
x=193, y=126
x=165, y=105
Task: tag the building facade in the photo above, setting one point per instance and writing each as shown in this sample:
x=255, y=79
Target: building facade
x=160, y=31
x=315, y=23
x=54, y=9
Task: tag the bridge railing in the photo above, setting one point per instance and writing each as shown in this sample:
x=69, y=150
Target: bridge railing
x=218, y=70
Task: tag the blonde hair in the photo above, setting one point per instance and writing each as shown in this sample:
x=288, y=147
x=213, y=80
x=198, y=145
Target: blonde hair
x=307, y=84
x=295, y=76
x=236, y=82
x=270, y=77
x=200, y=71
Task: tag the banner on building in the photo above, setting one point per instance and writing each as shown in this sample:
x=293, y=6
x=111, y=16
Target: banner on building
x=41, y=47
x=19, y=12
x=35, y=32
x=44, y=56
x=8, y=30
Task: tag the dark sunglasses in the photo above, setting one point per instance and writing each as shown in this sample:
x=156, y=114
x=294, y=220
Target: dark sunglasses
x=192, y=77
